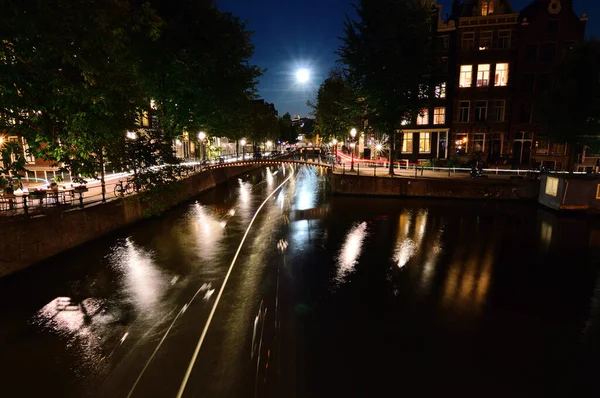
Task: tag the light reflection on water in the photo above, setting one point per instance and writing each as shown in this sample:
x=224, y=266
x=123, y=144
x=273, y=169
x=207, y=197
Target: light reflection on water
x=407, y=243
x=351, y=250
x=144, y=282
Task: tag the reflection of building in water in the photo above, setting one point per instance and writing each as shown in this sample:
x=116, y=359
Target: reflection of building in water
x=468, y=279
x=316, y=213
x=418, y=246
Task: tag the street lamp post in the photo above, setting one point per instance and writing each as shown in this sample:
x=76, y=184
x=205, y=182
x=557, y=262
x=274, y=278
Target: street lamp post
x=201, y=137
x=243, y=142
x=133, y=136
x=352, y=145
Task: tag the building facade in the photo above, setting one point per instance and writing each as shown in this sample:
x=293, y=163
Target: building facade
x=486, y=55
x=428, y=136
x=548, y=30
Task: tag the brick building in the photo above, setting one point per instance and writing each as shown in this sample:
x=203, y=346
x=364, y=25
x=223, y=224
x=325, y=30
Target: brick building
x=485, y=58
x=548, y=30
x=427, y=136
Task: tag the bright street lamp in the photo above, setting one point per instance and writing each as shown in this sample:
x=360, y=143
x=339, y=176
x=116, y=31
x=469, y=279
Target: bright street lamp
x=379, y=147
x=201, y=137
x=243, y=142
x=352, y=146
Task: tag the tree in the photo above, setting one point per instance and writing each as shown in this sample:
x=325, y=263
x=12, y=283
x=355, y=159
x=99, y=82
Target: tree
x=198, y=70
x=337, y=109
x=571, y=113
x=68, y=82
x=287, y=132
x=387, y=52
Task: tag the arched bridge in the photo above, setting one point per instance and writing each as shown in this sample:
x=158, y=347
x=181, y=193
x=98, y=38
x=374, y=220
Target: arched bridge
x=269, y=162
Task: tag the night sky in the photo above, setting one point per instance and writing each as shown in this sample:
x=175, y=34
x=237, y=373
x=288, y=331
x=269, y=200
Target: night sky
x=304, y=34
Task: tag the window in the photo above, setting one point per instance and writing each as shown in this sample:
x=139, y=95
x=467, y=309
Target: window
x=531, y=53
x=423, y=91
x=444, y=64
x=407, y=143
x=527, y=83
x=466, y=74
x=485, y=40
x=551, y=186
x=501, y=78
x=468, y=40
x=525, y=113
x=423, y=117
x=545, y=82
x=461, y=143
x=478, y=142
x=541, y=146
x=442, y=144
x=504, y=39
x=483, y=75
x=440, y=90
x=548, y=53
x=439, y=115
x=487, y=7
x=29, y=158
x=424, y=143
x=558, y=149
x=598, y=191
x=552, y=26
x=444, y=43
x=463, y=111
x=480, y=111
x=498, y=111
x=145, y=120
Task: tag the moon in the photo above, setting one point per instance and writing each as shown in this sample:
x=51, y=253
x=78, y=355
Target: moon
x=302, y=75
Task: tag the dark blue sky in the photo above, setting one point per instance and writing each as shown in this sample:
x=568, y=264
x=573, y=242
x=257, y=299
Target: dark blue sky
x=294, y=34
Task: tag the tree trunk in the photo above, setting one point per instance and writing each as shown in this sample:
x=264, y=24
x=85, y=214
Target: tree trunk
x=102, y=182
x=391, y=154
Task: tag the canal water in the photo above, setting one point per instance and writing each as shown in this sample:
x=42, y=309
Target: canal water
x=324, y=296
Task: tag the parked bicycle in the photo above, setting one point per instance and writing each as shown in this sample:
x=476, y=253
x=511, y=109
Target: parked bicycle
x=123, y=188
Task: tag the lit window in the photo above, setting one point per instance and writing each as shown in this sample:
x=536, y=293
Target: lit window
x=483, y=75
x=424, y=143
x=461, y=143
x=468, y=40
x=504, y=39
x=440, y=90
x=463, y=111
x=551, y=186
x=487, y=7
x=407, y=143
x=501, y=78
x=423, y=91
x=466, y=74
x=423, y=117
x=439, y=116
x=485, y=40
x=480, y=111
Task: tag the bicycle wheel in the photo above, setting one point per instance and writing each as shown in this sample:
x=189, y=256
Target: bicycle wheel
x=118, y=191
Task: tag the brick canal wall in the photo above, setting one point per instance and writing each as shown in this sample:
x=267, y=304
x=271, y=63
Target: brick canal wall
x=28, y=241
x=491, y=189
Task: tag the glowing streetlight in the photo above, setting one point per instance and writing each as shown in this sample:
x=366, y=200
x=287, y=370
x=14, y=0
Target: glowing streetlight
x=243, y=142
x=352, y=146
x=201, y=137
x=302, y=75
x=379, y=147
